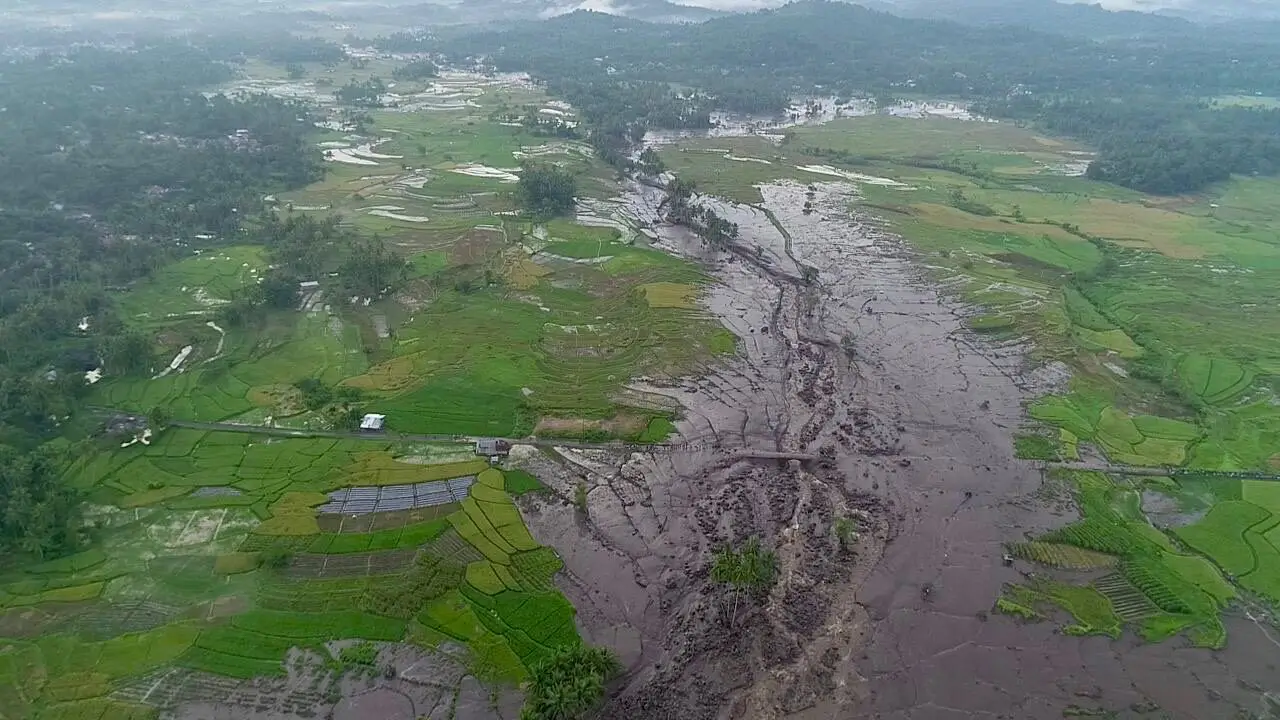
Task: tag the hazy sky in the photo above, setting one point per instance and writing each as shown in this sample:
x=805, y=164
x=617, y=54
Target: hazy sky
x=1109, y=4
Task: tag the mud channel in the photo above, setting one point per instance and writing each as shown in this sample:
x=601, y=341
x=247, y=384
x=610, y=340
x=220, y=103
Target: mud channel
x=871, y=370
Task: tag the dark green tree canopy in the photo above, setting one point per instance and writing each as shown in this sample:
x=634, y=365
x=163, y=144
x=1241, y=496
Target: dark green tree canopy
x=547, y=190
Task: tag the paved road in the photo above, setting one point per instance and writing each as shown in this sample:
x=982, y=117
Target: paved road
x=746, y=452
x=399, y=437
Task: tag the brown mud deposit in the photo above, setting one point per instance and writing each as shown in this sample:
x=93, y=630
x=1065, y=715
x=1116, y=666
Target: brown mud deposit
x=405, y=683
x=873, y=370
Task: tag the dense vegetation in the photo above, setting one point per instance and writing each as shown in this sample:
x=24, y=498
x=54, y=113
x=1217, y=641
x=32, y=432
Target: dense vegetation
x=116, y=165
x=569, y=684
x=546, y=190
x=1101, y=91
x=1160, y=145
x=703, y=221
x=365, y=94
x=416, y=70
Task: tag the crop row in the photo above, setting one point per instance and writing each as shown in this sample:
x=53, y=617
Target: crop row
x=1061, y=556
x=99, y=708
x=1130, y=604
x=408, y=536
x=236, y=666
x=326, y=626
x=1141, y=575
x=1093, y=534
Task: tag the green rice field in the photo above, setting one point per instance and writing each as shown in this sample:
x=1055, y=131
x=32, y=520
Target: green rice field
x=74, y=628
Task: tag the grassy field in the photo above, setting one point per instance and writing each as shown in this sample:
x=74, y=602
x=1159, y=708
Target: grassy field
x=1164, y=309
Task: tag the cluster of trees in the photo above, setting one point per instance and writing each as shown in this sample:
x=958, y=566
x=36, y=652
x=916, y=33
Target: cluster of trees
x=116, y=162
x=301, y=248
x=416, y=70
x=340, y=404
x=37, y=511
x=370, y=269
x=1114, y=93
x=570, y=684
x=546, y=190
x=650, y=163
x=681, y=210
x=1158, y=144
x=282, y=48
x=367, y=94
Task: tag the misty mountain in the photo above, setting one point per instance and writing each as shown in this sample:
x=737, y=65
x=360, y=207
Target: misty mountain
x=456, y=12
x=1201, y=11
x=1211, y=11
x=1049, y=16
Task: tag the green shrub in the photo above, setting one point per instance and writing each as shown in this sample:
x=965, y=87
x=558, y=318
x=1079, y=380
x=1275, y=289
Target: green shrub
x=846, y=530
x=1036, y=447
x=365, y=653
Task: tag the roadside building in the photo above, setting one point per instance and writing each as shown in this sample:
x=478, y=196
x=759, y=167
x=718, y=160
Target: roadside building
x=373, y=423
x=492, y=447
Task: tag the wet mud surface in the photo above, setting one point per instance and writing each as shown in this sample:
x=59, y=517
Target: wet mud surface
x=405, y=683
x=871, y=370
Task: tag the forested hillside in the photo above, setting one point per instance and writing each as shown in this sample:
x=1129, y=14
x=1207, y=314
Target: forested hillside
x=115, y=164
x=1111, y=93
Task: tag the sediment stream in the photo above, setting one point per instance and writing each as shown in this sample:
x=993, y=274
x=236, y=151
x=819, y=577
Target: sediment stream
x=872, y=369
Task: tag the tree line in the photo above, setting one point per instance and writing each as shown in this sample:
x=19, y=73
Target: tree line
x=1159, y=145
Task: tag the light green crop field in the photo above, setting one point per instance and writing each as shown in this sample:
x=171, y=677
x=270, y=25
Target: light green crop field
x=229, y=581
x=1258, y=101
x=1165, y=309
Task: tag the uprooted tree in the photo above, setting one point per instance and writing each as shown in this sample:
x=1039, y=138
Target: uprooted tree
x=569, y=684
x=749, y=572
x=680, y=209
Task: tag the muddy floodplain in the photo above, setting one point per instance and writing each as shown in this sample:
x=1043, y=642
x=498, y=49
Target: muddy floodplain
x=901, y=419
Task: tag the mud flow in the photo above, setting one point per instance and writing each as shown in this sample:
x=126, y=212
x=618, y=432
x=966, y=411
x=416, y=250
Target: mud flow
x=898, y=418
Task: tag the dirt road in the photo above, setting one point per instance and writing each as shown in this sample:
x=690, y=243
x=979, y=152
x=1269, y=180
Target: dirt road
x=873, y=364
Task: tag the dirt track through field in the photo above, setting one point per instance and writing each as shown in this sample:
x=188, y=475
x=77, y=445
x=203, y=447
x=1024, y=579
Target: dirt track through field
x=873, y=369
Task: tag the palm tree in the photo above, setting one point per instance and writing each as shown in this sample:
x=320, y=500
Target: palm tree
x=569, y=684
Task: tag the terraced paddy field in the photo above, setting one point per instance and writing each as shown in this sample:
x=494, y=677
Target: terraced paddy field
x=215, y=555
x=1154, y=320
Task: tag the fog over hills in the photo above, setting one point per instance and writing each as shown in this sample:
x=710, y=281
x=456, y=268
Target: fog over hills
x=1094, y=18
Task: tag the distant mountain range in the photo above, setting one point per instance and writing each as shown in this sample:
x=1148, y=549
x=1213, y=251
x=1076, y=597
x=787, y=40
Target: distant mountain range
x=1257, y=19
x=1194, y=10
x=1092, y=18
